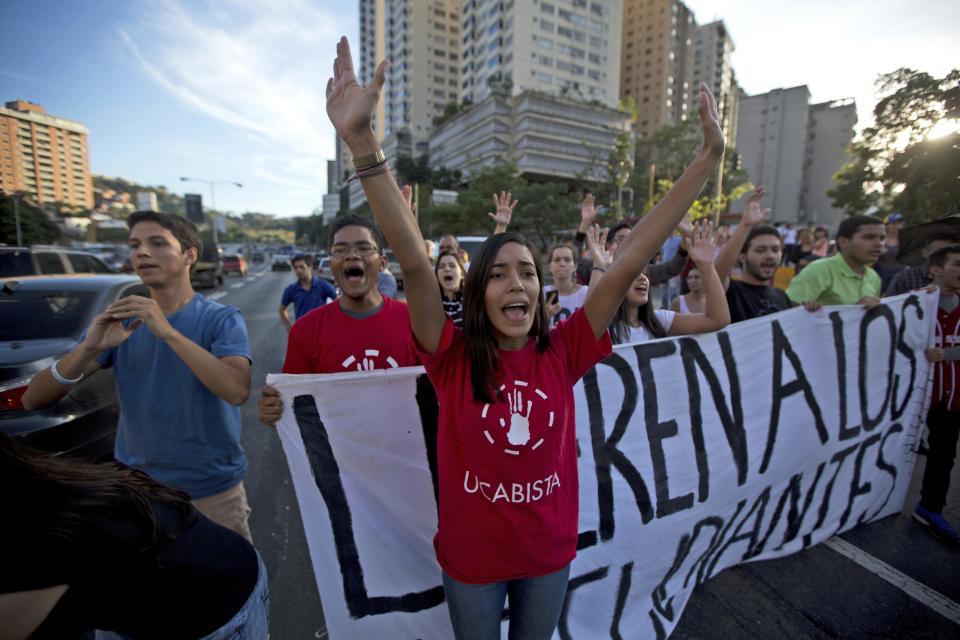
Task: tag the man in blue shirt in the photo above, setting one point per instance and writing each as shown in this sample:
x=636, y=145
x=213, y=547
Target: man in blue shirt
x=307, y=293
x=182, y=364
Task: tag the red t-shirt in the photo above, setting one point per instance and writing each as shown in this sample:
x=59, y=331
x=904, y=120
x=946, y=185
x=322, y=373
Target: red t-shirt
x=509, y=494
x=327, y=340
x=946, y=375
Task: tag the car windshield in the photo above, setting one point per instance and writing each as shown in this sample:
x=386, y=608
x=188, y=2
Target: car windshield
x=35, y=315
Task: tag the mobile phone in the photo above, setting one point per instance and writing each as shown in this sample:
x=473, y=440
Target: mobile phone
x=553, y=296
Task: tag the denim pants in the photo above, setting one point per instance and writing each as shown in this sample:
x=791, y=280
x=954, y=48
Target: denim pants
x=535, y=606
x=251, y=622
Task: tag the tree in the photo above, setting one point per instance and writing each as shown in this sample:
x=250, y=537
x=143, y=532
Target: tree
x=900, y=163
x=35, y=227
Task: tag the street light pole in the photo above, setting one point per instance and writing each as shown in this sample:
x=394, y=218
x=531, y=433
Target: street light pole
x=213, y=197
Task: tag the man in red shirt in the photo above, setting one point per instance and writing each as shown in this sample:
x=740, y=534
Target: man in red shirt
x=943, y=420
x=361, y=330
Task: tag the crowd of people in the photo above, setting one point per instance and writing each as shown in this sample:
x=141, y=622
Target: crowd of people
x=111, y=546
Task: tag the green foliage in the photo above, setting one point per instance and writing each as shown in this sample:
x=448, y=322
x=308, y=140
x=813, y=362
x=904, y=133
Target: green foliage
x=895, y=166
x=670, y=149
x=35, y=227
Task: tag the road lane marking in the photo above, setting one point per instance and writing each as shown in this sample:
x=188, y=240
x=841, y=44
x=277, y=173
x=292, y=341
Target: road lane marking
x=916, y=590
x=217, y=295
x=237, y=285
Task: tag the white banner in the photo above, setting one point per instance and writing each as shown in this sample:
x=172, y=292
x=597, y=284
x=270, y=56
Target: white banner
x=696, y=454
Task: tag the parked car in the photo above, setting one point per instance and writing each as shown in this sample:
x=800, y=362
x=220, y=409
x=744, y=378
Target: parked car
x=208, y=271
x=234, y=263
x=281, y=262
x=323, y=270
x=44, y=260
x=41, y=319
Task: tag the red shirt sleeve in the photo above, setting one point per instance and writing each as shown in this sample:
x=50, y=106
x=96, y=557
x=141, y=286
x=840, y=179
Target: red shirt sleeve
x=297, y=360
x=582, y=350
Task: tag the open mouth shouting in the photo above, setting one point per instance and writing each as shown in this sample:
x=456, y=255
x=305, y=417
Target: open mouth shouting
x=516, y=312
x=353, y=275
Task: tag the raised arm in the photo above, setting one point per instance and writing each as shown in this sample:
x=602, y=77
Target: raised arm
x=752, y=216
x=716, y=314
x=649, y=234
x=350, y=108
x=504, y=211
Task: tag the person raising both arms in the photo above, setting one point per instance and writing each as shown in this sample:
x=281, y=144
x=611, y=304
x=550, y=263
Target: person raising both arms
x=637, y=321
x=505, y=365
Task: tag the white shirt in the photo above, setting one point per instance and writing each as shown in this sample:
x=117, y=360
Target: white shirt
x=641, y=334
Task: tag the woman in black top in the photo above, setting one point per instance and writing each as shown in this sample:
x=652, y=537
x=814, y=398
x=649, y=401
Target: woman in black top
x=450, y=274
x=102, y=546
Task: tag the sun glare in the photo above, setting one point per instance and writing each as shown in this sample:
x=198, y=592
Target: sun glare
x=943, y=128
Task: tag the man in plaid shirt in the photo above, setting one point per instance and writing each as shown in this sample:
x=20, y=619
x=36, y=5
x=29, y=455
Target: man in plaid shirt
x=918, y=277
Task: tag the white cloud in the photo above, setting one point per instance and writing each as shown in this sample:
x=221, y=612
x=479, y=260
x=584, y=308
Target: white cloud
x=258, y=67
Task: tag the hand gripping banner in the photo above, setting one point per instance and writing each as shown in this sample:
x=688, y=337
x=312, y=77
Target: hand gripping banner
x=696, y=454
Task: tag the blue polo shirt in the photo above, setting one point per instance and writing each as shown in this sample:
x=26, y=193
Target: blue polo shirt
x=319, y=294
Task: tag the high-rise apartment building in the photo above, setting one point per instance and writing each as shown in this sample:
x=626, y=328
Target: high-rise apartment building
x=564, y=47
x=421, y=39
x=712, y=63
x=44, y=155
x=657, y=62
x=793, y=149
x=829, y=133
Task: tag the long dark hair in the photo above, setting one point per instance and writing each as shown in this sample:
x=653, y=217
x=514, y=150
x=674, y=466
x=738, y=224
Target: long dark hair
x=620, y=326
x=477, y=331
x=61, y=496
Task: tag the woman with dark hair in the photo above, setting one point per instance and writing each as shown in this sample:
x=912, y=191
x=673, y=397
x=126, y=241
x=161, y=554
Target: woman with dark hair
x=450, y=275
x=565, y=295
x=506, y=443
x=102, y=546
x=637, y=321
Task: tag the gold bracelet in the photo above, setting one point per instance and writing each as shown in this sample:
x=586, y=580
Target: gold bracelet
x=365, y=162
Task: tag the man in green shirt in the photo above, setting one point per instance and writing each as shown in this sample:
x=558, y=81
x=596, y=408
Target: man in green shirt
x=846, y=277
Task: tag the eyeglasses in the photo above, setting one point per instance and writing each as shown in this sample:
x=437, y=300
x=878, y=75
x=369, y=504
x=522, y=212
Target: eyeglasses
x=363, y=249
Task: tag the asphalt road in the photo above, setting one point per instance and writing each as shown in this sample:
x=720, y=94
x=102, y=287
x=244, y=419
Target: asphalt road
x=818, y=593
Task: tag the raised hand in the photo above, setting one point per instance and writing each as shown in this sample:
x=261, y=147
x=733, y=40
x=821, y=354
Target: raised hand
x=349, y=105
x=407, y=192
x=597, y=243
x=713, y=141
x=588, y=211
x=504, y=210
x=703, y=247
x=753, y=214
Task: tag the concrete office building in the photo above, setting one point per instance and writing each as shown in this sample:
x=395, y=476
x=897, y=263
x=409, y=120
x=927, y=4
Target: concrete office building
x=568, y=47
x=712, y=63
x=548, y=136
x=793, y=149
x=44, y=156
x=657, y=62
x=829, y=134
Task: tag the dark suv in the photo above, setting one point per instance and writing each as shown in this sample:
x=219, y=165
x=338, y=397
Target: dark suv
x=40, y=260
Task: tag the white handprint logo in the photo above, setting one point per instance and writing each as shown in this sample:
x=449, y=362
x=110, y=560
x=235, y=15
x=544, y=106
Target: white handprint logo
x=519, y=433
x=369, y=361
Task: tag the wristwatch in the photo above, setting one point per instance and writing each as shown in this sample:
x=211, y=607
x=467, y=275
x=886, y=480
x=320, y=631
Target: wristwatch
x=365, y=162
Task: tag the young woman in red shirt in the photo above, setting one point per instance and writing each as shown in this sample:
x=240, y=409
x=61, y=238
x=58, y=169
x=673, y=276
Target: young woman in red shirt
x=506, y=444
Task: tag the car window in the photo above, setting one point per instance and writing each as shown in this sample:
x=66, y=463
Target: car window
x=49, y=262
x=35, y=315
x=83, y=263
x=15, y=263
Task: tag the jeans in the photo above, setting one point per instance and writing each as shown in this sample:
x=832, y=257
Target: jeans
x=251, y=622
x=535, y=606
x=941, y=450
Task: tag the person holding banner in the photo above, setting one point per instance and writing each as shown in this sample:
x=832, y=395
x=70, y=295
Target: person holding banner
x=506, y=450
x=943, y=419
x=361, y=331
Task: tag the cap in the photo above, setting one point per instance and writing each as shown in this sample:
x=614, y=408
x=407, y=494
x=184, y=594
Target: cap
x=893, y=217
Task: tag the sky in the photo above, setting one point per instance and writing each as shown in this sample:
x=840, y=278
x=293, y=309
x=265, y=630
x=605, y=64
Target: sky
x=233, y=90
